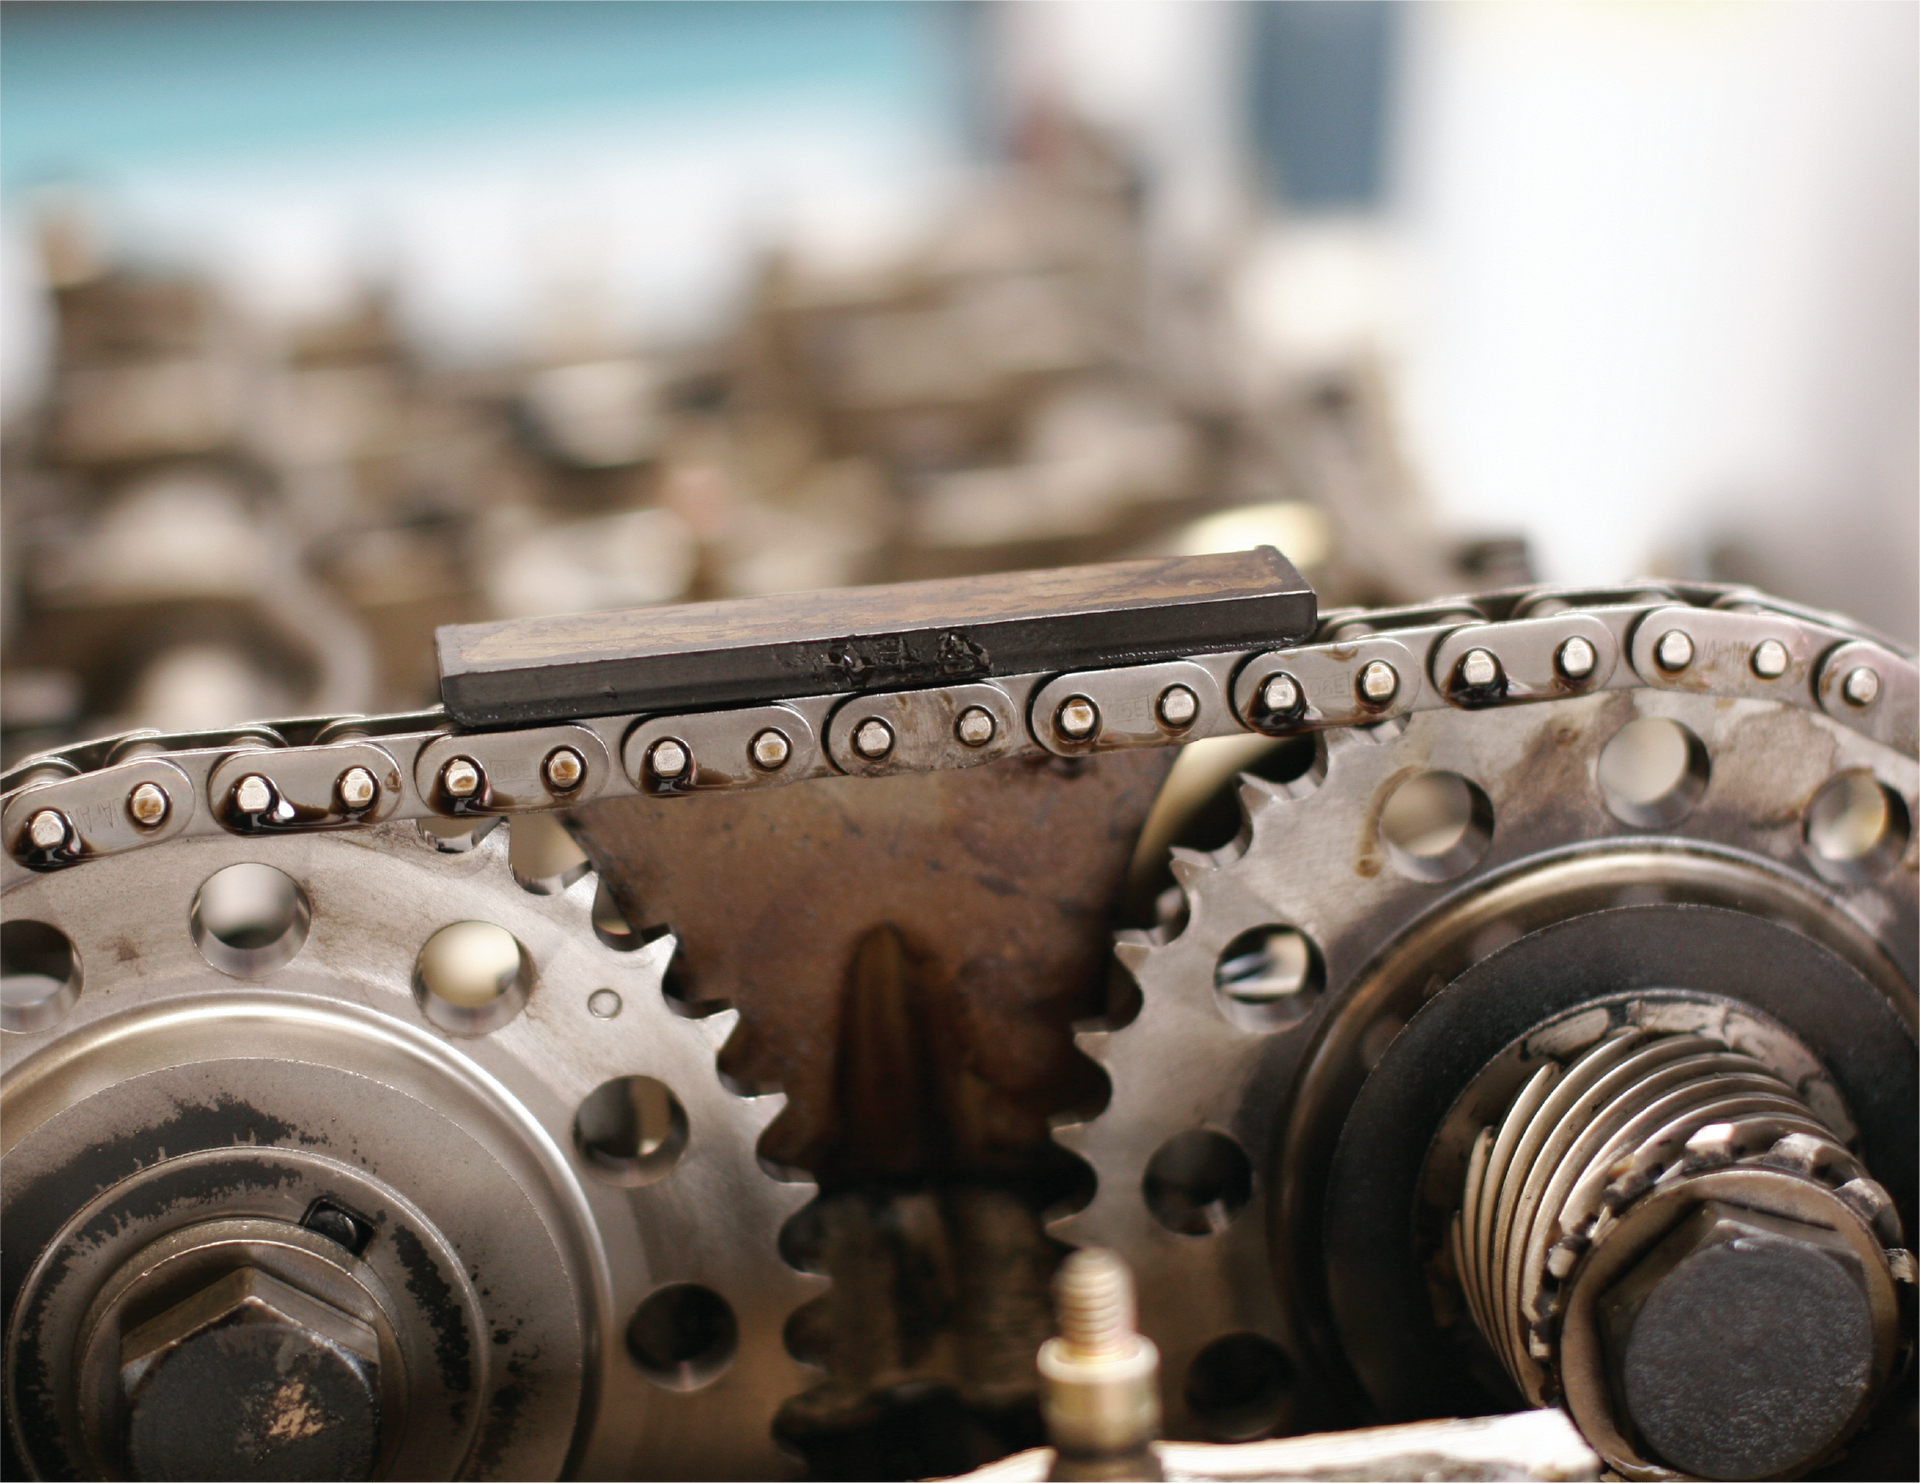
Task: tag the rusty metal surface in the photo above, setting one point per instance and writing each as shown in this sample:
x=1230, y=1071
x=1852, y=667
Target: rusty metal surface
x=908, y=955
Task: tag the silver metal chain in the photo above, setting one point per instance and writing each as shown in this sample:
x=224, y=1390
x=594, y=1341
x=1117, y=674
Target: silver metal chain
x=1363, y=668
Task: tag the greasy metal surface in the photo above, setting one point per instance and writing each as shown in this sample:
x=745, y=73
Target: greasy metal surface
x=907, y=955
x=869, y=638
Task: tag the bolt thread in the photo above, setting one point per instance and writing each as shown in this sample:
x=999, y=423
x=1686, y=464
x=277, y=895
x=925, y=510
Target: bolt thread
x=1094, y=1294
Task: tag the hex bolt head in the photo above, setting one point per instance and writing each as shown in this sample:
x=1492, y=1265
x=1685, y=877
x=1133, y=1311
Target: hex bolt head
x=563, y=769
x=253, y=794
x=1861, y=686
x=873, y=738
x=1769, y=659
x=975, y=727
x=1479, y=670
x=147, y=805
x=1077, y=718
x=357, y=789
x=1378, y=683
x=48, y=829
x=1674, y=652
x=1280, y=696
x=461, y=777
x=251, y=1373
x=1178, y=706
x=770, y=750
x=1739, y=1314
x=1576, y=659
x=668, y=760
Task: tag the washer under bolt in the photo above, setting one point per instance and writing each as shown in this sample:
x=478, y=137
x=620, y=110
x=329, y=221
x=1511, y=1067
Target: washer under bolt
x=48, y=829
x=770, y=750
x=873, y=739
x=1861, y=686
x=461, y=777
x=1576, y=659
x=1769, y=659
x=563, y=769
x=1178, y=706
x=1674, y=652
x=1479, y=669
x=1077, y=718
x=358, y=788
x=975, y=727
x=668, y=760
x=1379, y=682
x=1280, y=696
x=253, y=794
x=148, y=805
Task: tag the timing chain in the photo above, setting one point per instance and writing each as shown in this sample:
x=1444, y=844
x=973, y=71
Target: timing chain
x=1361, y=668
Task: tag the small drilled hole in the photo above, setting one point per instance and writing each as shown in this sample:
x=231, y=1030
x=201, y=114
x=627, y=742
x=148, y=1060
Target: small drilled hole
x=1239, y=1386
x=630, y=1131
x=1436, y=825
x=1856, y=828
x=683, y=1337
x=1267, y=978
x=543, y=856
x=1198, y=1182
x=471, y=978
x=1652, y=772
x=39, y=975
x=248, y=920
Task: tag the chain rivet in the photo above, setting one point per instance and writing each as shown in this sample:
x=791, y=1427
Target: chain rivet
x=1769, y=659
x=147, y=805
x=1861, y=687
x=357, y=789
x=668, y=760
x=253, y=794
x=1077, y=718
x=1379, y=682
x=563, y=769
x=873, y=739
x=975, y=727
x=1479, y=669
x=1674, y=652
x=1280, y=697
x=1178, y=706
x=770, y=750
x=461, y=777
x=48, y=829
x=1576, y=659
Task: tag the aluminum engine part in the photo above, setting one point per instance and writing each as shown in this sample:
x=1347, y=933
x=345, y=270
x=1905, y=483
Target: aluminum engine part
x=208, y=1106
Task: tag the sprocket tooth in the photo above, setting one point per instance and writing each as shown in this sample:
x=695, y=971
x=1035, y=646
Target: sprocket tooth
x=1190, y=866
x=1133, y=951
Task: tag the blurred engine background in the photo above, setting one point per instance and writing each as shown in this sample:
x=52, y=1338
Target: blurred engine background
x=325, y=323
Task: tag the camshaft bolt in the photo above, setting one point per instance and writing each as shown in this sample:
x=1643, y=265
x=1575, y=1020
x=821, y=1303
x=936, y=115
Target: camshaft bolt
x=873, y=739
x=1861, y=687
x=461, y=777
x=1178, y=706
x=253, y=794
x=48, y=829
x=1576, y=659
x=1674, y=652
x=1077, y=718
x=563, y=769
x=668, y=760
x=770, y=750
x=147, y=805
x=1379, y=682
x=975, y=727
x=1769, y=659
x=1100, y=1393
x=357, y=789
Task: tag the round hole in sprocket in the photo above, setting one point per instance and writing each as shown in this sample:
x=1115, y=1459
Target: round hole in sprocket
x=683, y=1337
x=249, y=919
x=630, y=1131
x=39, y=975
x=1198, y=1182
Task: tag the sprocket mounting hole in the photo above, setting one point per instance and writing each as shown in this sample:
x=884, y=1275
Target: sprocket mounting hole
x=1856, y=827
x=683, y=1336
x=630, y=1131
x=249, y=919
x=39, y=975
x=1239, y=1386
x=1652, y=772
x=1198, y=1182
x=1436, y=825
x=1268, y=978
x=471, y=978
